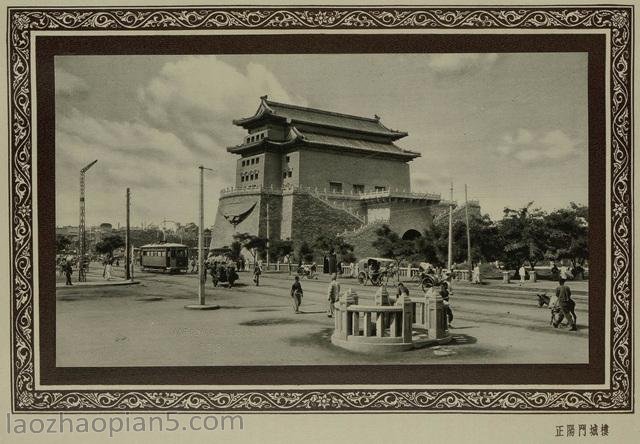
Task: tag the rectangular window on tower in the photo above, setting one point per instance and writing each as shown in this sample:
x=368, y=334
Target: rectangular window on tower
x=335, y=187
x=358, y=189
x=380, y=188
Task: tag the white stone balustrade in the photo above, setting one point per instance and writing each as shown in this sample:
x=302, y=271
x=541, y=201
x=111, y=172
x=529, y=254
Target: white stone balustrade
x=373, y=328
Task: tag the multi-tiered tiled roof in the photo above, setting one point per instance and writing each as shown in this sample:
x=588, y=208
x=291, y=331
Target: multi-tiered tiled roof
x=323, y=129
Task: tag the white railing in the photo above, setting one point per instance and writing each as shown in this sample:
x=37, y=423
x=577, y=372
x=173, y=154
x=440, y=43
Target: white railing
x=324, y=193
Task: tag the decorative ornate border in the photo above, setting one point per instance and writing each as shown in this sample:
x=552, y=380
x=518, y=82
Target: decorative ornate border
x=23, y=21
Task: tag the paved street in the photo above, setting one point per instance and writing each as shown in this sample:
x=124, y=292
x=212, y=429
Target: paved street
x=146, y=324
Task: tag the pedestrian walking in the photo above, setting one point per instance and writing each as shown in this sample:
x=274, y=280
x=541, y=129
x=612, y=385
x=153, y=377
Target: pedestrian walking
x=193, y=265
x=333, y=294
x=566, y=306
x=107, y=270
x=214, y=274
x=68, y=271
x=523, y=273
x=476, y=274
x=257, y=271
x=296, y=294
x=232, y=276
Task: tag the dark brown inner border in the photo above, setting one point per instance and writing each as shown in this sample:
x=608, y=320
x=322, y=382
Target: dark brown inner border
x=49, y=46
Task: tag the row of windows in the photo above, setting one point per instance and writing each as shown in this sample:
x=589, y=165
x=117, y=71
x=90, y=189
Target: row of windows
x=246, y=177
x=163, y=253
x=253, y=161
x=336, y=187
x=255, y=137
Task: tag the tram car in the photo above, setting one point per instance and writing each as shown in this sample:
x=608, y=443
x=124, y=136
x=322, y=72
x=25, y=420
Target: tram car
x=164, y=257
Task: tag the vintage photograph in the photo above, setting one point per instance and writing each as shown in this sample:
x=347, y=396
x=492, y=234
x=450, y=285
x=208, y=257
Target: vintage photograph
x=322, y=209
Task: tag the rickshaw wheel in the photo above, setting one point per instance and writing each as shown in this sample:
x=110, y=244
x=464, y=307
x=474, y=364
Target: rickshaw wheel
x=426, y=283
x=362, y=278
x=376, y=280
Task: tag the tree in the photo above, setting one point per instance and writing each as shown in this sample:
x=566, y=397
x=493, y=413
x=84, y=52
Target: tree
x=390, y=245
x=62, y=243
x=108, y=244
x=568, y=234
x=254, y=244
x=432, y=246
x=526, y=236
x=278, y=249
x=236, y=250
x=305, y=252
x=332, y=245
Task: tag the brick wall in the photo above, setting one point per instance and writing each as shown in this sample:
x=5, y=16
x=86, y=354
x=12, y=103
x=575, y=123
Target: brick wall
x=318, y=168
x=362, y=240
x=313, y=218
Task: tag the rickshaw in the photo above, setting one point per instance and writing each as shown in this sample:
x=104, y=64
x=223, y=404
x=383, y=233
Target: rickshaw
x=427, y=276
x=375, y=270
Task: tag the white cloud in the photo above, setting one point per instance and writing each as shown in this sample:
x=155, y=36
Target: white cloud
x=198, y=97
x=69, y=85
x=189, y=107
x=457, y=64
x=527, y=147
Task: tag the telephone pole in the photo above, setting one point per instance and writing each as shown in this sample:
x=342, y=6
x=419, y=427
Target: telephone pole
x=450, y=249
x=267, y=237
x=127, y=241
x=466, y=215
x=201, y=271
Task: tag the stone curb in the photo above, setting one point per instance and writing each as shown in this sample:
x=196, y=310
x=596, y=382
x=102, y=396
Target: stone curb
x=96, y=284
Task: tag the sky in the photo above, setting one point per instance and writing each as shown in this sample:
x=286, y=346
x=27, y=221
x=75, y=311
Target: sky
x=513, y=127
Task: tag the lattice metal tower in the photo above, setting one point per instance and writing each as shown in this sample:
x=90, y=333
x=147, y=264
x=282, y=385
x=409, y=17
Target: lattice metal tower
x=82, y=239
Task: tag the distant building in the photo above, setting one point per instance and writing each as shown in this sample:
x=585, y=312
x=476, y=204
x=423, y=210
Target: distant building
x=303, y=172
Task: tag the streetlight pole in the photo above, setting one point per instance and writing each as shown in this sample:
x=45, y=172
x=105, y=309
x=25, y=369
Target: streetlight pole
x=201, y=272
x=81, y=228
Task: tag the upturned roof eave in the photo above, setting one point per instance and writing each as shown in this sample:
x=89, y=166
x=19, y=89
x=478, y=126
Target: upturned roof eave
x=404, y=154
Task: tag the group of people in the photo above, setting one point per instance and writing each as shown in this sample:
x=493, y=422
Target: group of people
x=220, y=272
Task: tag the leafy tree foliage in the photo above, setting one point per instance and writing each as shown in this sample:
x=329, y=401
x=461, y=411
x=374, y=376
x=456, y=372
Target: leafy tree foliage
x=568, y=234
x=62, y=243
x=390, y=245
x=526, y=236
x=278, y=249
x=254, y=244
x=305, y=252
x=108, y=244
x=332, y=245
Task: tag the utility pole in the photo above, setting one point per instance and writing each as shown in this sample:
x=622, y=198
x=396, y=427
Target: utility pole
x=466, y=215
x=450, y=249
x=201, y=272
x=127, y=241
x=267, y=237
x=82, y=238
